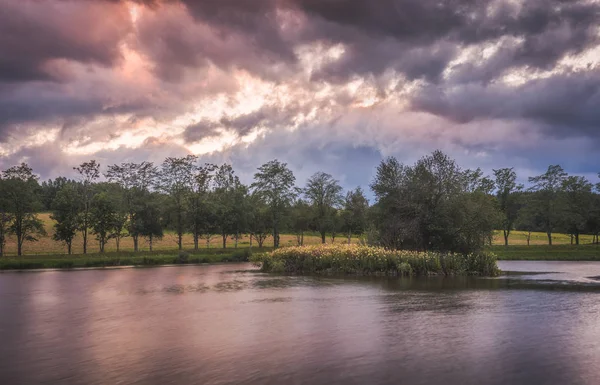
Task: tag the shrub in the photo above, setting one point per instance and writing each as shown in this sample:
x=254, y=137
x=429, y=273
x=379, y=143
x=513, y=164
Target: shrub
x=367, y=260
x=182, y=257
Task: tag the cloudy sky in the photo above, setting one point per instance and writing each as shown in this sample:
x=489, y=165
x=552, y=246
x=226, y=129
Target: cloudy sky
x=331, y=85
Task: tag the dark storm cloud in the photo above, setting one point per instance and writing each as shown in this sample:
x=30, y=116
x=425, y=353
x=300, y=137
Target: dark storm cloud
x=563, y=104
x=34, y=33
x=200, y=130
x=384, y=33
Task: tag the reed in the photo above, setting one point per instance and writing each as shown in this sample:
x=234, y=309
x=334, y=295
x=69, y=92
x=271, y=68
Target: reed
x=367, y=260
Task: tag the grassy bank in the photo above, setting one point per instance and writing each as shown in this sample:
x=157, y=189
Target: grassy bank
x=365, y=260
x=125, y=259
x=548, y=253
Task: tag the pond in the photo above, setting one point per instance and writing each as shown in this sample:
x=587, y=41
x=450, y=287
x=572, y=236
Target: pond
x=228, y=324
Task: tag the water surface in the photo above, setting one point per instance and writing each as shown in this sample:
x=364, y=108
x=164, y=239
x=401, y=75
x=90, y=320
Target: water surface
x=226, y=324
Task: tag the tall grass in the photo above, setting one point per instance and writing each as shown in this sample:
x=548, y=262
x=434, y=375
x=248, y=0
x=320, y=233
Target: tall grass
x=367, y=260
x=123, y=259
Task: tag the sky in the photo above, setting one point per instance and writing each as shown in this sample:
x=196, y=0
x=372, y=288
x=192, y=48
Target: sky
x=323, y=85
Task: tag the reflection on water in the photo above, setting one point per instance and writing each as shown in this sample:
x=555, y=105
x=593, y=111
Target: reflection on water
x=229, y=324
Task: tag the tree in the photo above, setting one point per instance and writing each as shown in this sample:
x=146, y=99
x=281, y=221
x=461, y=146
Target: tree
x=546, y=188
x=506, y=193
x=354, y=215
x=301, y=216
x=230, y=197
x=49, y=189
x=149, y=219
x=175, y=179
x=199, y=206
x=577, y=205
x=65, y=212
x=325, y=195
x=259, y=221
x=274, y=183
x=89, y=172
x=135, y=180
x=20, y=195
x=103, y=216
x=6, y=217
x=433, y=205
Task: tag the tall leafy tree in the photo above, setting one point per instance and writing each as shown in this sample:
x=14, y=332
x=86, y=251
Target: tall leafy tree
x=431, y=205
x=88, y=172
x=577, y=199
x=65, y=212
x=354, y=215
x=507, y=193
x=5, y=215
x=231, y=201
x=199, y=211
x=300, y=220
x=175, y=179
x=20, y=189
x=149, y=218
x=546, y=188
x=103, y=216
x=275, y=184
x=136, y=180
x=259, y=224
x=49, y=189
x=325, y=195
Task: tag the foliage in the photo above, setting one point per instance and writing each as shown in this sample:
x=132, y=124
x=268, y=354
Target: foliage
x=507, y=190
x=89, y=172
x=66, y=206
x=325, y=195
x=175, y=179
x=275, y=183
x=355, y=213
x=136, y=180
x=545, y=204
x=433, y=205
x=21, y=202
x=367, y=260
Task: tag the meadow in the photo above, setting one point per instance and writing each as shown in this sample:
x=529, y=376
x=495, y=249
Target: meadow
x=52, y=250
x=47, y=246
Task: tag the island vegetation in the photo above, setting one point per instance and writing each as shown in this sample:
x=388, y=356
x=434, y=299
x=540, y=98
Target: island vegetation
x=133, y=211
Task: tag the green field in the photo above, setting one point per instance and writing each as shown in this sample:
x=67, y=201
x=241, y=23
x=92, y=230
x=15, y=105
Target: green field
x=47, y=246
x=115, y=259
x=165, y=249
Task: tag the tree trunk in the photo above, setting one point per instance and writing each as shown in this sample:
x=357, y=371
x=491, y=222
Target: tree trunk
x=69, y=248
x=19, y=246
x=349, y=236
x=224, y=240
x=118, y=242
x=528, y=238
x=196, y=240
x=207, y=241
x=251, y=240
x=237, y=235
x=85, y=241
x=506, y=234
x=323, y=240
x=577, y=239
x=302, y=239
x=135, y=243
x=150, y=242
x=549, y=233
